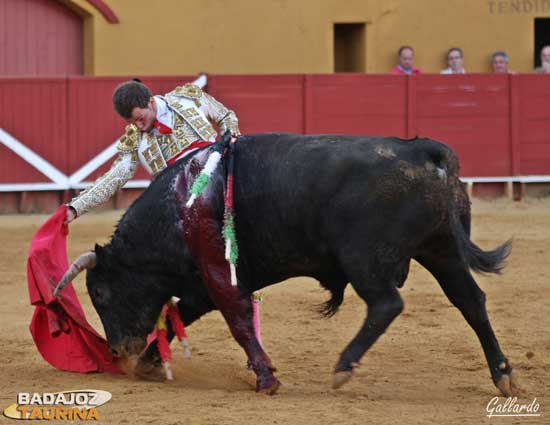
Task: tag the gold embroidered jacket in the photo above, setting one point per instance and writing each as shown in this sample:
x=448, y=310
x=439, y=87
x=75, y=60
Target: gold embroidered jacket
x=193, y=112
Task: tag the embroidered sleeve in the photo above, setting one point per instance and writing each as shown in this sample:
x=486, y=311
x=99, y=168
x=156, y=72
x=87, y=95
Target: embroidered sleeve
x=215, y=111
x=122, y=170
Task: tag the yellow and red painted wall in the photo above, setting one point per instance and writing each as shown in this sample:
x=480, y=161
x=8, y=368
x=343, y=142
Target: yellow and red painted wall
x=273, y=61
x=174, y=37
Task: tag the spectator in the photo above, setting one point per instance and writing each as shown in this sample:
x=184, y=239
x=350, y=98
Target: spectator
x=406, y=58
x=499, y=62
x=455, y=59
x=544, y=67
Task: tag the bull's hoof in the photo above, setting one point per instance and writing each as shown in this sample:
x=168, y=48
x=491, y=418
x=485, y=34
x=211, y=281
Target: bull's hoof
x=149, y=372
x=268, y=387
x=508, y=385
x=340, y=378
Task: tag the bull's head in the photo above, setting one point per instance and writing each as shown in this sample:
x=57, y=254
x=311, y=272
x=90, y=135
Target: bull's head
x=128, y=300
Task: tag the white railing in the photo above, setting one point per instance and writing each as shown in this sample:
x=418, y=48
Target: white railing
x=509, y=180
x=59, y=180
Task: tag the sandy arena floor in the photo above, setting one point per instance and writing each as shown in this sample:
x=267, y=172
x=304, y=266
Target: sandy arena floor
x=428, y=368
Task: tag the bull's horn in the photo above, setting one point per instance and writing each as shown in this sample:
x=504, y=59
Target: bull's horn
x=87, y=260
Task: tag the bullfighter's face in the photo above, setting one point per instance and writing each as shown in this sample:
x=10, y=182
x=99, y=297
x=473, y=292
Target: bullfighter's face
x=144, y=118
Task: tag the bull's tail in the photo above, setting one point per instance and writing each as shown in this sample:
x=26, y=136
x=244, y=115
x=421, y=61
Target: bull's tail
x=472, y=255
x=330, y=308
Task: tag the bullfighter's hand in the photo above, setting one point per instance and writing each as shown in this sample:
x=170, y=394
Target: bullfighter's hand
x=71, y=215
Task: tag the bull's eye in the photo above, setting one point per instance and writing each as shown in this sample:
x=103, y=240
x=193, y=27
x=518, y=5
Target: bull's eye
x=99, y=294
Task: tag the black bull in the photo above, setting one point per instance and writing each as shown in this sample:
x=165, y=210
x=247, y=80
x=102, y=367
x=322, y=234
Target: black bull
x=340, y=209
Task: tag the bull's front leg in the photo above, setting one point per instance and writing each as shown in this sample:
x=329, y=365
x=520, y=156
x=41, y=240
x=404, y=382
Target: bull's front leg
x=237, y=311
x=203, y=237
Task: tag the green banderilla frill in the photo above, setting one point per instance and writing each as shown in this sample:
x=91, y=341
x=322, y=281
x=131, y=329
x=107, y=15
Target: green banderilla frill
x=229, y=235
x=200, y=184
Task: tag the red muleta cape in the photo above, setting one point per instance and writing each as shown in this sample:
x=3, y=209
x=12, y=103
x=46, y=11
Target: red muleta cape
x=59, y=327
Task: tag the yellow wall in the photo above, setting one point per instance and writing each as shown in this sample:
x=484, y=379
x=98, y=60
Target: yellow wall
x=479, y=27
x=168, y=37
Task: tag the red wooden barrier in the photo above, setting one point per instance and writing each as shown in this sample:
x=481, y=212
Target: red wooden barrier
x=273, y=103
x=33, y=110
x=356, y=104
x=533, y=119
x=470, y=113
x=498, y=124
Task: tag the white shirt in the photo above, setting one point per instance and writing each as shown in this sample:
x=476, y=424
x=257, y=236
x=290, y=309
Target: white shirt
x=450, y=71
x=164, y=114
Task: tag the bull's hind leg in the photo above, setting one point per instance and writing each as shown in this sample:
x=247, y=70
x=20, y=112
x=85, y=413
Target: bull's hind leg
x=376, y=286
x=462, y=290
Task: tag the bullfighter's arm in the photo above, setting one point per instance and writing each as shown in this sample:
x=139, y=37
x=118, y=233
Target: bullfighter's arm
x=224, y=118
x=215, y=111
x=122, y=170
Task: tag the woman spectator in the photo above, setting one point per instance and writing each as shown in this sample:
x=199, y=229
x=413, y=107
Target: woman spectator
x=455, y=59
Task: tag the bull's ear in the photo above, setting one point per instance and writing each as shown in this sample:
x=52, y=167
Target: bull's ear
x=98, y=249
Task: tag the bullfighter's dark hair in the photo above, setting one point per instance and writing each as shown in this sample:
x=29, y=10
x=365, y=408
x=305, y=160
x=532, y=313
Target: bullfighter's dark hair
x=129, y=95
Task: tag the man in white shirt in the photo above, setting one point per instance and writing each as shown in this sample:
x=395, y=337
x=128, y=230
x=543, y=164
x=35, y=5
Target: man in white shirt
x=499, y=62
x=544, y=67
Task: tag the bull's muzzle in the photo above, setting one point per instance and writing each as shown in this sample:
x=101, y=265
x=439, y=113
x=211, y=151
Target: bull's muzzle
x=128, y=346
